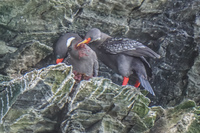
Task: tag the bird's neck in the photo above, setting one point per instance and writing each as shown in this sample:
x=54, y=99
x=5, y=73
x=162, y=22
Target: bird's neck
x=78, y=53
x=98, y=43
x=104, y=37
x=74, y=53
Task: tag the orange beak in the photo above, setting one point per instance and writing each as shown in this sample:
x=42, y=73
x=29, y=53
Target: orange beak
x=84, y=41
x=59, y=60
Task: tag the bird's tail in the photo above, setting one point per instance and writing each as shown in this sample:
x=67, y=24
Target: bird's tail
x=145, y=83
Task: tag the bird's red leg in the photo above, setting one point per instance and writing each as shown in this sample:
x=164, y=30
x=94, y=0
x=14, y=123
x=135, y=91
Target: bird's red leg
x=125, y=81
x=59, y=60
x=137, y=84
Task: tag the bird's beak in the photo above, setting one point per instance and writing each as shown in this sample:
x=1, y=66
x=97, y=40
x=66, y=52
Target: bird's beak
x=59, y=60
x=84, y=41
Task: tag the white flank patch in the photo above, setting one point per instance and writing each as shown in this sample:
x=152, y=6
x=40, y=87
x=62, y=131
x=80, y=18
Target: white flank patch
x=69, y=41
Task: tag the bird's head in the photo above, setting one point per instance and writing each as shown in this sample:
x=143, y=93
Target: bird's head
x=64, y=44
x=92, y=35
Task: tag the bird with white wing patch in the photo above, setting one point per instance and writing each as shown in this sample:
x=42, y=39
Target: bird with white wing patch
x=82, y=58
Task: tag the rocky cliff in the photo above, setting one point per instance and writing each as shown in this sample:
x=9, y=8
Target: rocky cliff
x=48, y=101
x=29, y=28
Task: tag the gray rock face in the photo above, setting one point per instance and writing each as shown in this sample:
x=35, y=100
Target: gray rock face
x=193, y=86
x=28, y=30
x=98, y=102
x=49, y=101
x=33, y=103
x=25, y=58
x=6, y=49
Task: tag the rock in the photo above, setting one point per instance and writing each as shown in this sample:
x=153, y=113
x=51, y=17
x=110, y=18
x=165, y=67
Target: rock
x=28, y=30
x=180, y=119
x=101, y=106
x=193, y=87
x=33, y=102
x=170, y=31
x=26, y=57
x=6, y=49
x=4, y=78
x=48, y=100
x=170, y=28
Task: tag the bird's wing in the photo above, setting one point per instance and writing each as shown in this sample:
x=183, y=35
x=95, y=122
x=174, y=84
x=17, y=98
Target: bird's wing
x=95, y=68
x=128, y=47
x=147, y=66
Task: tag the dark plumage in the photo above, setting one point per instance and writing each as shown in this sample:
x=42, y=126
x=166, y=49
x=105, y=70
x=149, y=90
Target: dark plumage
x=123, y=55
x=82, y=57
x=128, y=47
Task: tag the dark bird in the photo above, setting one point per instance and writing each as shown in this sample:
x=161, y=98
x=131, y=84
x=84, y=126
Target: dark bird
x=123, y=55
x=82, y=57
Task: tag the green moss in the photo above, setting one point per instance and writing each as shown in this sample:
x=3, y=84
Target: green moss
x=197, y=110
x=56, y=78
x=25, y=122
x=194, y=127
x=140, y=109
x=15, y=114
x=149, y=121
x=110, y=125
x=185, y=105
x=64, y=90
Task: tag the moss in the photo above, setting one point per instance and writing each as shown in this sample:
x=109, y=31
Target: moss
x=63, y=91
x=149, y=121
x=185, y=105
x=141, y=109
x=25, y=122
x=111, y=125
x=15, y=114
x=197, y=110
x=56, y=77
x=194, y=127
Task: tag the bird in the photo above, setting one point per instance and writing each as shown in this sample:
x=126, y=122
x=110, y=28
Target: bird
x=125, y=56
x=82, y=58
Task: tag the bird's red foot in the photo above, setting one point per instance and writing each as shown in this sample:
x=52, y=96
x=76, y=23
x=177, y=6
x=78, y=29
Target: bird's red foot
x=137, y=84
x=59, y=60
x=125, y=81
x=80, y=76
